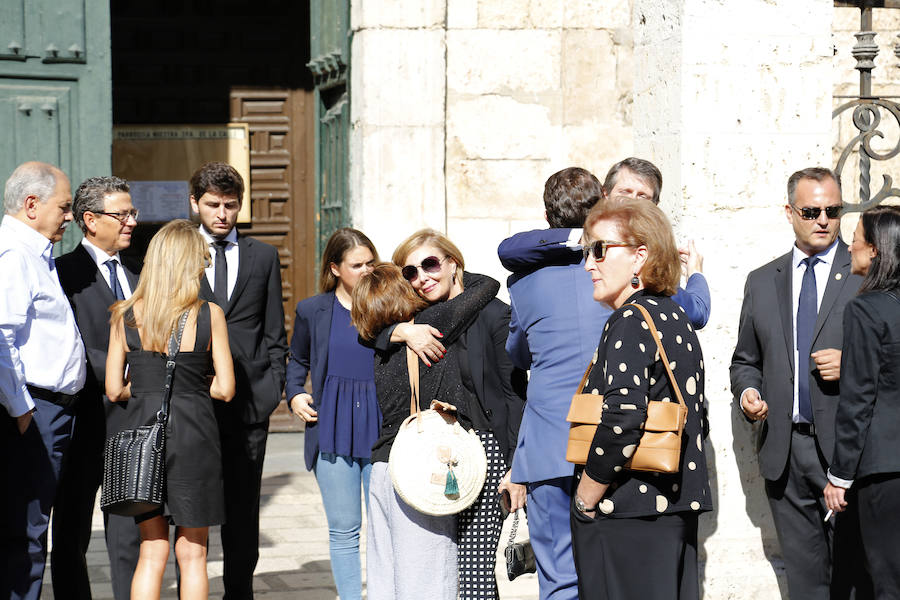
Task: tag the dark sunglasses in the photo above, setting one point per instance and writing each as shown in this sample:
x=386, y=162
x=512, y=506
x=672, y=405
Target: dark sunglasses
x=811, y=213
x=432, y=264
x=598, y=248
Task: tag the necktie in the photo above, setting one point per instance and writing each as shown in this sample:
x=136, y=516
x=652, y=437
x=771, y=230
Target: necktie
x=807, y=310
x=114, y=279
x=221, y=282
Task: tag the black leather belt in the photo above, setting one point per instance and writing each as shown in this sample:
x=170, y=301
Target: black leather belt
x=58, y=398
x=804, y=428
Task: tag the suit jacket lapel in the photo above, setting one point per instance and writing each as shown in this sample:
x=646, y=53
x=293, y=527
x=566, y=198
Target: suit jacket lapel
x=783, y=285
x=245, y=259
x=840, y=269
x=100, y=282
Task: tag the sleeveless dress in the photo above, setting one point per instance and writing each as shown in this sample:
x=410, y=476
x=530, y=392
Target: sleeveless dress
x=195, y=496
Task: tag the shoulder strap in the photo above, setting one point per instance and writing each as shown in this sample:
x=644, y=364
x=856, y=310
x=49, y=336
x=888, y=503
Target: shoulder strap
x=203, y=333
x=412, y=366
x=174, y=345
x=662, y=351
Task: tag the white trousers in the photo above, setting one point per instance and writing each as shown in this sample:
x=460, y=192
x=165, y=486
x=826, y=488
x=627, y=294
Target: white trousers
x=409, y=555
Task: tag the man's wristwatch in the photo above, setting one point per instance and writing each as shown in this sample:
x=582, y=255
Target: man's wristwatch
x=580, y=507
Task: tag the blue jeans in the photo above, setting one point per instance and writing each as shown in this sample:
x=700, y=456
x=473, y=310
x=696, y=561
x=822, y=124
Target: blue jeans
x=339, y=480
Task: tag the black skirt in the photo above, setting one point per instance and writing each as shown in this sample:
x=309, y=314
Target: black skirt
x=641, y=558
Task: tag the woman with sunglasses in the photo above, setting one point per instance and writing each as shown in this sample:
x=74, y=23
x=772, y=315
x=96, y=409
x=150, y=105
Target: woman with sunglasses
x=341, y=414
x=434, y=266
x=867, y=451
x=166, y=296
x=411, y=555
x=634, y=533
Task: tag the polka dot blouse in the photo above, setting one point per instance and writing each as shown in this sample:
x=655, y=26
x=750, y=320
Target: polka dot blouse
x=627, y=371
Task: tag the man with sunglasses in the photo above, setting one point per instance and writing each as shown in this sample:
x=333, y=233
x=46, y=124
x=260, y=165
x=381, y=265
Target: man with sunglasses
x=785, y=374
x=93, y=276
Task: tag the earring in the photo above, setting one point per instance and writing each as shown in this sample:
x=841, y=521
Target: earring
x=635, y=282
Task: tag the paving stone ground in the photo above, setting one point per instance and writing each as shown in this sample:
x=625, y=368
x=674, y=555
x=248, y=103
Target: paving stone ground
x=293, y=562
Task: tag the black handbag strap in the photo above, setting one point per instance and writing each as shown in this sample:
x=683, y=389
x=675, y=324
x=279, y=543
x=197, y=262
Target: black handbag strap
x=174, y=345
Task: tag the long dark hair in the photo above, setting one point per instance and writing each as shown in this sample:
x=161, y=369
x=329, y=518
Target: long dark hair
x=341, y=241
x=881, y=229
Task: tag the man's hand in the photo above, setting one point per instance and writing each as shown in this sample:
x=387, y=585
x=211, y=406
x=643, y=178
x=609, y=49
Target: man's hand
x=421, y=339
x=834, y=497
x=23, y=421
x=753, y=406
x=300, y=406
x=828, y=361
x=517, y=492
x=691, y=259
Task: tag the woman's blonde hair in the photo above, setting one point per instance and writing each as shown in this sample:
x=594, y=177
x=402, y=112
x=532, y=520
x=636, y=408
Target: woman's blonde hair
x=429, y=237
x=383, y=298
x=169, y=283
x=642, y=223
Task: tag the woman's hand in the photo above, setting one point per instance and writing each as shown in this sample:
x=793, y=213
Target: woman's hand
x=834, y=497
x=421, y=339
x=590, y=492
x=517, y=492
x=300, y=405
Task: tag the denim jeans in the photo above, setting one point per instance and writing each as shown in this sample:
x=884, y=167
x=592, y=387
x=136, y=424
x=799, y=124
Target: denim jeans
x=339, y=480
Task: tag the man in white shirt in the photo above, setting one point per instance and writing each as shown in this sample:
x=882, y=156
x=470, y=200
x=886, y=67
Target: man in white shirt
x=93, y=276
x=42, y=369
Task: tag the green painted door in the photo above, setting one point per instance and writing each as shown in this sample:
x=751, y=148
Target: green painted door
x=329, y=40
x=55, y=88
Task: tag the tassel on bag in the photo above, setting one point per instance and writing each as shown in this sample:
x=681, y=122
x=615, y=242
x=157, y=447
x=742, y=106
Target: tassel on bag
x=452, y=486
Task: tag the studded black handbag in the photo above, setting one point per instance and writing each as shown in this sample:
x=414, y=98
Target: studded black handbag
x=134, y=460
x=519, y=555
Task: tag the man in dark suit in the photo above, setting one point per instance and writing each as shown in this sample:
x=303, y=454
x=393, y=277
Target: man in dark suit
x=93, y=276
x=245, y=280
x=791, y=324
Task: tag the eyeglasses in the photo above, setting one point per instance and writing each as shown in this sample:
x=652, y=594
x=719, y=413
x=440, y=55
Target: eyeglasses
x=121, y=216
x=598, y=248
x=432, y=264
x=811, y=213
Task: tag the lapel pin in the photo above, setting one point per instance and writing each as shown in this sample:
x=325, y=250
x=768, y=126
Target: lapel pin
x=837, y=276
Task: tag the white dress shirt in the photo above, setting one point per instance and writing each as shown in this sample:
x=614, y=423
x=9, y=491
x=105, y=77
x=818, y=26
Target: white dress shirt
x=231, y=258
x=101, y=258
x=821, y=270
x=39, y=341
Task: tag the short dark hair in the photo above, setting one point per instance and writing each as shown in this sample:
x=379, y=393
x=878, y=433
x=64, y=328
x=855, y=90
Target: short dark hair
x=881, y=229
x=569, y=195
x=91, y=194
x=341, y=241
x=815, y=173
x=644, y=169
x=218, y=177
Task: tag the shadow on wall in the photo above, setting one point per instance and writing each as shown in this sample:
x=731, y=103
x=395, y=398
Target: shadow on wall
x=746, y=436
x=708, y=521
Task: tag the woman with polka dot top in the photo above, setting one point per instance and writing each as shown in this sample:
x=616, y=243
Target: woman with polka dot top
x=635, y=533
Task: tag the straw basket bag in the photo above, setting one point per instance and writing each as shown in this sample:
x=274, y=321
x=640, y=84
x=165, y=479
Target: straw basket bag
x=436, y=466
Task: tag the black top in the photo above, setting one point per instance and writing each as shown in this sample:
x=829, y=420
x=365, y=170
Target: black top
x=442, y=380
x=195, y=496
x=869, y=411
x=627, y=371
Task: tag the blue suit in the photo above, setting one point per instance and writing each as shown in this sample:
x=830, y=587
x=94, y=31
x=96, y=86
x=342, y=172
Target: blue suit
x=309, y=355
x=530, y=250
x=555, y=326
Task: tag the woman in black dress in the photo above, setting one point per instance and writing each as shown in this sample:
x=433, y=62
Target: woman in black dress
x=411, y=555
x=635, y=533
x=135, y=370
x=867, y=449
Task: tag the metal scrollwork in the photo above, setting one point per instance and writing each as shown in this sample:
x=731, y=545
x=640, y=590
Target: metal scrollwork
x=867, y=119
x=867, y=115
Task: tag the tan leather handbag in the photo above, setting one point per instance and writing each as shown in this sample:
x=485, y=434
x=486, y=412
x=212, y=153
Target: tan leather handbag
x=659, y=450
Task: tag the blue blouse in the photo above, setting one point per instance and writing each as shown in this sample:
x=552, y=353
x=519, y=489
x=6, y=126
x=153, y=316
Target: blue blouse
x=349, y=417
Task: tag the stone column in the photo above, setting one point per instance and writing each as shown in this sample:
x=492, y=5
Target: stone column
x=730, y=98
x=397, y=95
